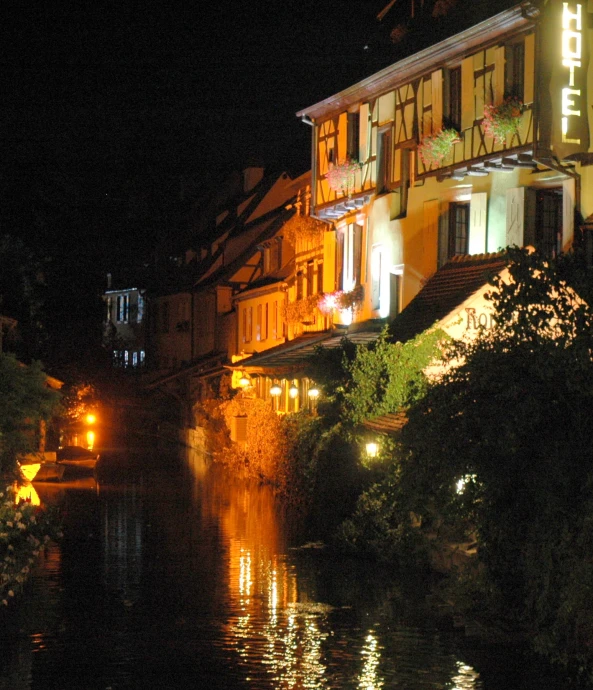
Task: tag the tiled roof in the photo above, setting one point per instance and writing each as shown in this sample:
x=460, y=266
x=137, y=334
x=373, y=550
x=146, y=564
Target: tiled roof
x=445, y=290
x=389, y=423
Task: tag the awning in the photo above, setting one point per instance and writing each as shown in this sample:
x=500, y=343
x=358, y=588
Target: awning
x=289, y=359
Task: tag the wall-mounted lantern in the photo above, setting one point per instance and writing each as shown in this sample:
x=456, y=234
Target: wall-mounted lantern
x=293, y=391
x=276, y=391
x=372, y=449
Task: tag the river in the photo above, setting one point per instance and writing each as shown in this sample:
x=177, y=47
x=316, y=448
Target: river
x=170, y=575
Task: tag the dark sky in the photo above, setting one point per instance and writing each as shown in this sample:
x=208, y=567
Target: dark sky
x=108, y=108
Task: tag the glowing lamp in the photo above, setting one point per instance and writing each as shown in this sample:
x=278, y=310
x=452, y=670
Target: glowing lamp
x=91, y=418
x=293, y=391
x=372, y=449
x=275, y=390
x=313, y=393
x=244, y=381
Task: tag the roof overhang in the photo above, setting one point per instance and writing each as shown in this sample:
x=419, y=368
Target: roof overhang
x=488, y=32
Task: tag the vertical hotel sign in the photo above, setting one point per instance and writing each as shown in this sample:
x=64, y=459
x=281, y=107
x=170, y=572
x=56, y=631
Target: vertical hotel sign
x=565, y=60
x=573, y=107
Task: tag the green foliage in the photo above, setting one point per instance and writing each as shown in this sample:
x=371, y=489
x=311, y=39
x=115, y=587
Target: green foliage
x=24, y=531
x=302, y=435
x=512, y=412
x=262, y=456
x=380, y=526
x=387, y=376
x=25, y=399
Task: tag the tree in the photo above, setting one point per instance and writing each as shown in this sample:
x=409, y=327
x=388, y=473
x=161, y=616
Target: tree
x=25, y=400
x=511, y=419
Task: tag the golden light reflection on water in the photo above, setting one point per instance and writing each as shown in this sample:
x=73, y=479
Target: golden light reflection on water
x=370, y=679
x=280, y=630
x=465, y=678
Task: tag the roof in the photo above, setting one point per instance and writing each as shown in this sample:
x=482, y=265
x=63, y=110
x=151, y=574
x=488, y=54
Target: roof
x=293, y=355
x=389, y=423
x=445, y=290
x=413, y=66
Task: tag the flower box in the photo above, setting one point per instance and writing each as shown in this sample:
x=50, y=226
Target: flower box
x=433, y=150
x=503, y=119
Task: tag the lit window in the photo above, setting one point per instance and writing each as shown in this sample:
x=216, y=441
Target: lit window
x=140, y=308
x=122, y=308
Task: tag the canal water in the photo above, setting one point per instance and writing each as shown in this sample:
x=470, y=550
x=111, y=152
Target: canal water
x=171, y=575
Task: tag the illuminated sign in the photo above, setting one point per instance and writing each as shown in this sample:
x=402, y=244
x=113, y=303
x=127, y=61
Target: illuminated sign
x=572, y=58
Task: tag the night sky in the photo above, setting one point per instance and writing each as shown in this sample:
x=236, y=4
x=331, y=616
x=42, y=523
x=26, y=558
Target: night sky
x=116, y=117
x=110, y=109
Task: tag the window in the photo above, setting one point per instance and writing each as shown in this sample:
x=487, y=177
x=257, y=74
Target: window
x=320, y=278
x=384, y=160
x=140, y=308
x=258, y=322
x=352, y=255
x=353, y=138
x=403, y=157
x=376, y=276
x=248, y=316
x=299, y=285
x=122, y=308
x=514, y=71
x=310, y=278
x=134, y=359
x=453, y=106
x=458, y=228
x=548, y=223
x=265, y=322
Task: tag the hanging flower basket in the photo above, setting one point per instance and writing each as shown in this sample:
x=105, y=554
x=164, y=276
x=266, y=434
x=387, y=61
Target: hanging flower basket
x=504, y=119
x=301, y=311
x=433, y=150
x=341, y=300
x=342, y=177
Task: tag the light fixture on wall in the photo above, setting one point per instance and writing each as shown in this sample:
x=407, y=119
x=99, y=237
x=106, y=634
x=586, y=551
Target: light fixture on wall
x=275, y=390
x=313, y=393
x=244, y=381
x=372, y=449
x=293, y=391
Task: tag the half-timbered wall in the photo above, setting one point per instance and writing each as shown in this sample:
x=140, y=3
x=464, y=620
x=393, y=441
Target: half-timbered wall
x=409, y=113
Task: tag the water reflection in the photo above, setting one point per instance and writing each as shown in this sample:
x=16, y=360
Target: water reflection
x=175, y=577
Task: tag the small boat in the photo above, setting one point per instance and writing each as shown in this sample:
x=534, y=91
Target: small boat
x=49, y=472
x=77, y=458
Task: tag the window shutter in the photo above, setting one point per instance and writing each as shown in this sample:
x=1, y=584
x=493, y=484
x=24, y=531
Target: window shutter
x=342, y=138
x=498, y=75
x=529, y=78
x=515, y=218
x=430, y=212
x=437, y=100
x=477, y=223
x=363, y=136
x=329, y=261
x=468, y=108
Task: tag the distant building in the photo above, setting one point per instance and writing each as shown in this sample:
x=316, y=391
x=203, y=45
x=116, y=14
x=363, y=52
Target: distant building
x=124, y=326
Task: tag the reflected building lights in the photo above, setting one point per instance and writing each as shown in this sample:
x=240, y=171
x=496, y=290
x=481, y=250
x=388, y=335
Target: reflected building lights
x=369, y=678
x=466, y=677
